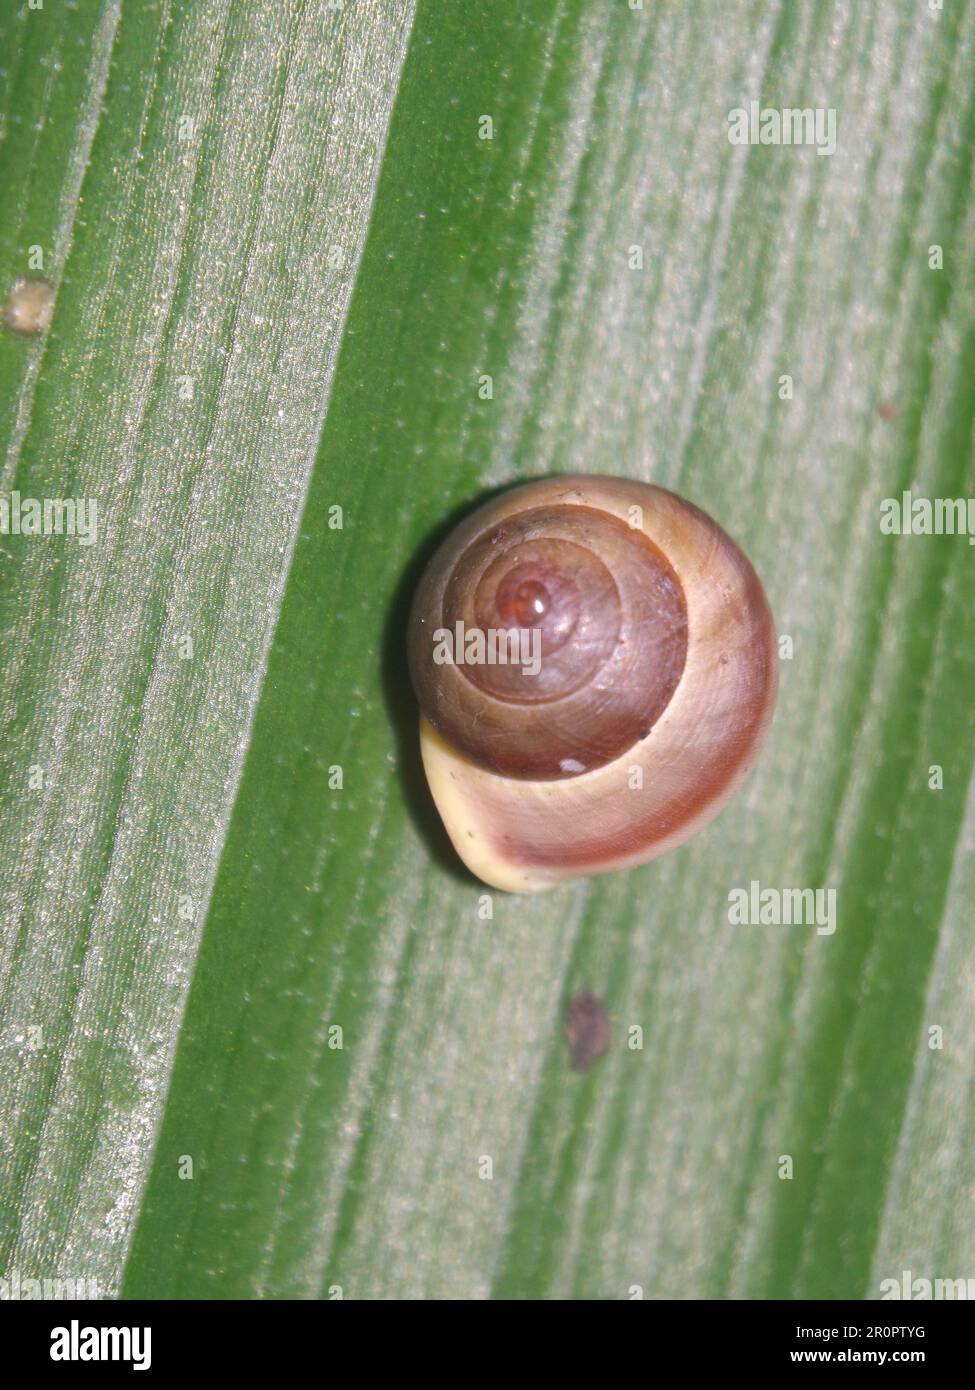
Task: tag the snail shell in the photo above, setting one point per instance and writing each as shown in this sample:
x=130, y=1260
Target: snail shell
x=636, y=702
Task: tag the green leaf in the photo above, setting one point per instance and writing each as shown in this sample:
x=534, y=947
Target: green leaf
x=203, y=226
x=361, y=1167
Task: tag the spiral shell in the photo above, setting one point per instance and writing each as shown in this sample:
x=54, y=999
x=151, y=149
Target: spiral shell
x=634, y=679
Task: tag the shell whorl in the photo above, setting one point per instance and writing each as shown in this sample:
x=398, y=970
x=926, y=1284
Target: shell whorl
x=655, y=687
x=608, y=618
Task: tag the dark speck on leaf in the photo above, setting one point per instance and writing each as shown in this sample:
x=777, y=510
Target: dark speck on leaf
x=587, y=1029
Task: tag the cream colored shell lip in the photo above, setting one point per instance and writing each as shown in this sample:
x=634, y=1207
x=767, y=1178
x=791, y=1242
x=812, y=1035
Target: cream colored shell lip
x=526, y=836
x=463, y=793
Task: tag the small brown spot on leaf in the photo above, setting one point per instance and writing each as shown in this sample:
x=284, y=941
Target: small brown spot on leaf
x=587, y=1029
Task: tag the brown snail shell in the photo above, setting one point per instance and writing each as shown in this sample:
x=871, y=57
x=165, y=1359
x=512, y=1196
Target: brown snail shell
x=645, y=687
